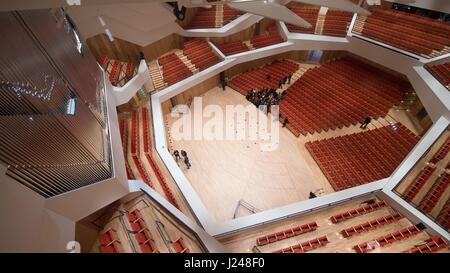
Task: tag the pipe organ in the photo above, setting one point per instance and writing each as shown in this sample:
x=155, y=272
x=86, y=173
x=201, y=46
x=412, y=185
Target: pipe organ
x=53, y=116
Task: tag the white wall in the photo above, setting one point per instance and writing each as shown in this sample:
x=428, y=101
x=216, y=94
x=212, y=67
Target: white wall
x=125, y=93
x=26, y=226
x=141, y=24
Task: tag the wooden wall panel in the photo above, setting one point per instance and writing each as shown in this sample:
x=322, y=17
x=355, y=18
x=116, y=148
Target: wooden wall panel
x=328, y=55
x=390, y=71
x=160, y=47
x=416, y=114
x=118, y=49
x=190, y=13
x=187, y=96
x=243, y=35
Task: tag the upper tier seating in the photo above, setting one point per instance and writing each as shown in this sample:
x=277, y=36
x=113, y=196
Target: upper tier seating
x=305, y=246
x=441, y=72
x=141, y=232
x=418, y=183
x=257, y=79
x=270, y=38
x=109, y=242
x=229, y=14
x=373, y=224
x=200, y=53
x=442, y=152
x=435, y=193
x=152, y=161
x=119, y=72
x=444, y=216
x=343, y=216
x=135, y=150
x=124, y=138
x=231, y=48
x=433, y=244
x=420, y=35
x=288, y=233
x=340, y=93
x=388, y=239
x=309, y=15
x=173, y=68
x=337, y=23
x=180, y=247
x=356, y=159
x=204, y=18
x=213, y=17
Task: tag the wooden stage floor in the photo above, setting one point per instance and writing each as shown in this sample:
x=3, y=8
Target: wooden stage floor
x=225, y=172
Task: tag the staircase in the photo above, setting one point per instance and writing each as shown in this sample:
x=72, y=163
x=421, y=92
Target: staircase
x=297, y=74
x=359, y=24
x=186, y=61
x=249, y=45
x=320, y=20
x=156, y=75
x=219, y=15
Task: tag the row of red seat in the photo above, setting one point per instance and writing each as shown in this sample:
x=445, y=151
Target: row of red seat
x=441, y=72
x=229, y=14
x=421, y=179
x=371, y=225
x=152, y=162
x=288, y=233
x=119, y=72
x=124, y=138
x=388, y=239
x=443, y=217
x=208, y=17
x=271, y=37
x=109, y=242
x=142, y=172
x=141, y=232
x=257, y=79
x=340, y=93
x=231, y=48
x=308, y=14
x=134, y=133
x=337, y=23
x=435, y=193
x=173, y=68
x=180, y=247
x=442, y=152
x=434, y=244
x=343, y=216
x=356, y=159
x=305, y=246
x=204, y=18
x=135, y=149
x=200, y=53
x=417, y=34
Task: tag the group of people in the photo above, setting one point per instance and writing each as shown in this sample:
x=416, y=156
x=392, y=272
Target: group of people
x=265, y=96
x=185, y=157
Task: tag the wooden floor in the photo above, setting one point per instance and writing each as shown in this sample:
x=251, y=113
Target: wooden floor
x=246, y=241
x=163, y=228
x=225, y=172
